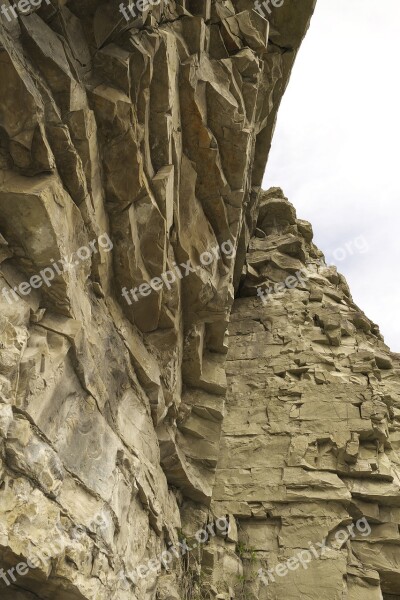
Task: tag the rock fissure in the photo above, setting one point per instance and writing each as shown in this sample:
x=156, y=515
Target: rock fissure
x=141, y=423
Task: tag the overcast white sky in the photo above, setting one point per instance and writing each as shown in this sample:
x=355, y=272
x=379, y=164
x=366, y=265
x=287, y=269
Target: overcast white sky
x=336, y=148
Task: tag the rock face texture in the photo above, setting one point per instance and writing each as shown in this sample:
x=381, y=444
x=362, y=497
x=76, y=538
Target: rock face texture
x=310, y=437
x=139, y=403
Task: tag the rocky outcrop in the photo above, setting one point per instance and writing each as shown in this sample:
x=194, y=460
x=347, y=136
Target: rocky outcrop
x=127, y=147
x=131, y=157
x=309, y=449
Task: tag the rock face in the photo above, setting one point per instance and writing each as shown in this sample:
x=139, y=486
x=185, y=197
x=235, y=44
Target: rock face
x=131, y=158
x=309, y=448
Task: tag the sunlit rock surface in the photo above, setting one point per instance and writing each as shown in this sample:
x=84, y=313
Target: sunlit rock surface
x=310, y=437
x=129, y=422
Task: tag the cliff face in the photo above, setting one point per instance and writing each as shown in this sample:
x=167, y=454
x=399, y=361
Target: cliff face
x=309, y=462
x=131, y=157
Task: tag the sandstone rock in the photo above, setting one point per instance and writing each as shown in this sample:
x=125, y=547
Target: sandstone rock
x=130, y=421
x=315, y=449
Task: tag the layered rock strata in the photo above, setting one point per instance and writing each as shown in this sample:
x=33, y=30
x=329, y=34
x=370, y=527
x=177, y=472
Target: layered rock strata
x=128, y=148
x=310, y=442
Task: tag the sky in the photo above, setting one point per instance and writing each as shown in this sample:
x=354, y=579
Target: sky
x=336, y=148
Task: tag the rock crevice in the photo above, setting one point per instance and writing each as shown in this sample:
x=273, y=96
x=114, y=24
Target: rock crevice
x=135, y=413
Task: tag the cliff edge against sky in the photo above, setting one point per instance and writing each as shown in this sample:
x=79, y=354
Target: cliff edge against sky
x=161, y=439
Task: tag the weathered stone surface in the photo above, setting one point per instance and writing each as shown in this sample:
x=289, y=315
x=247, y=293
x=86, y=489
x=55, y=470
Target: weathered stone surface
x=127, y=148
x=309, y=438
x=128, y=419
